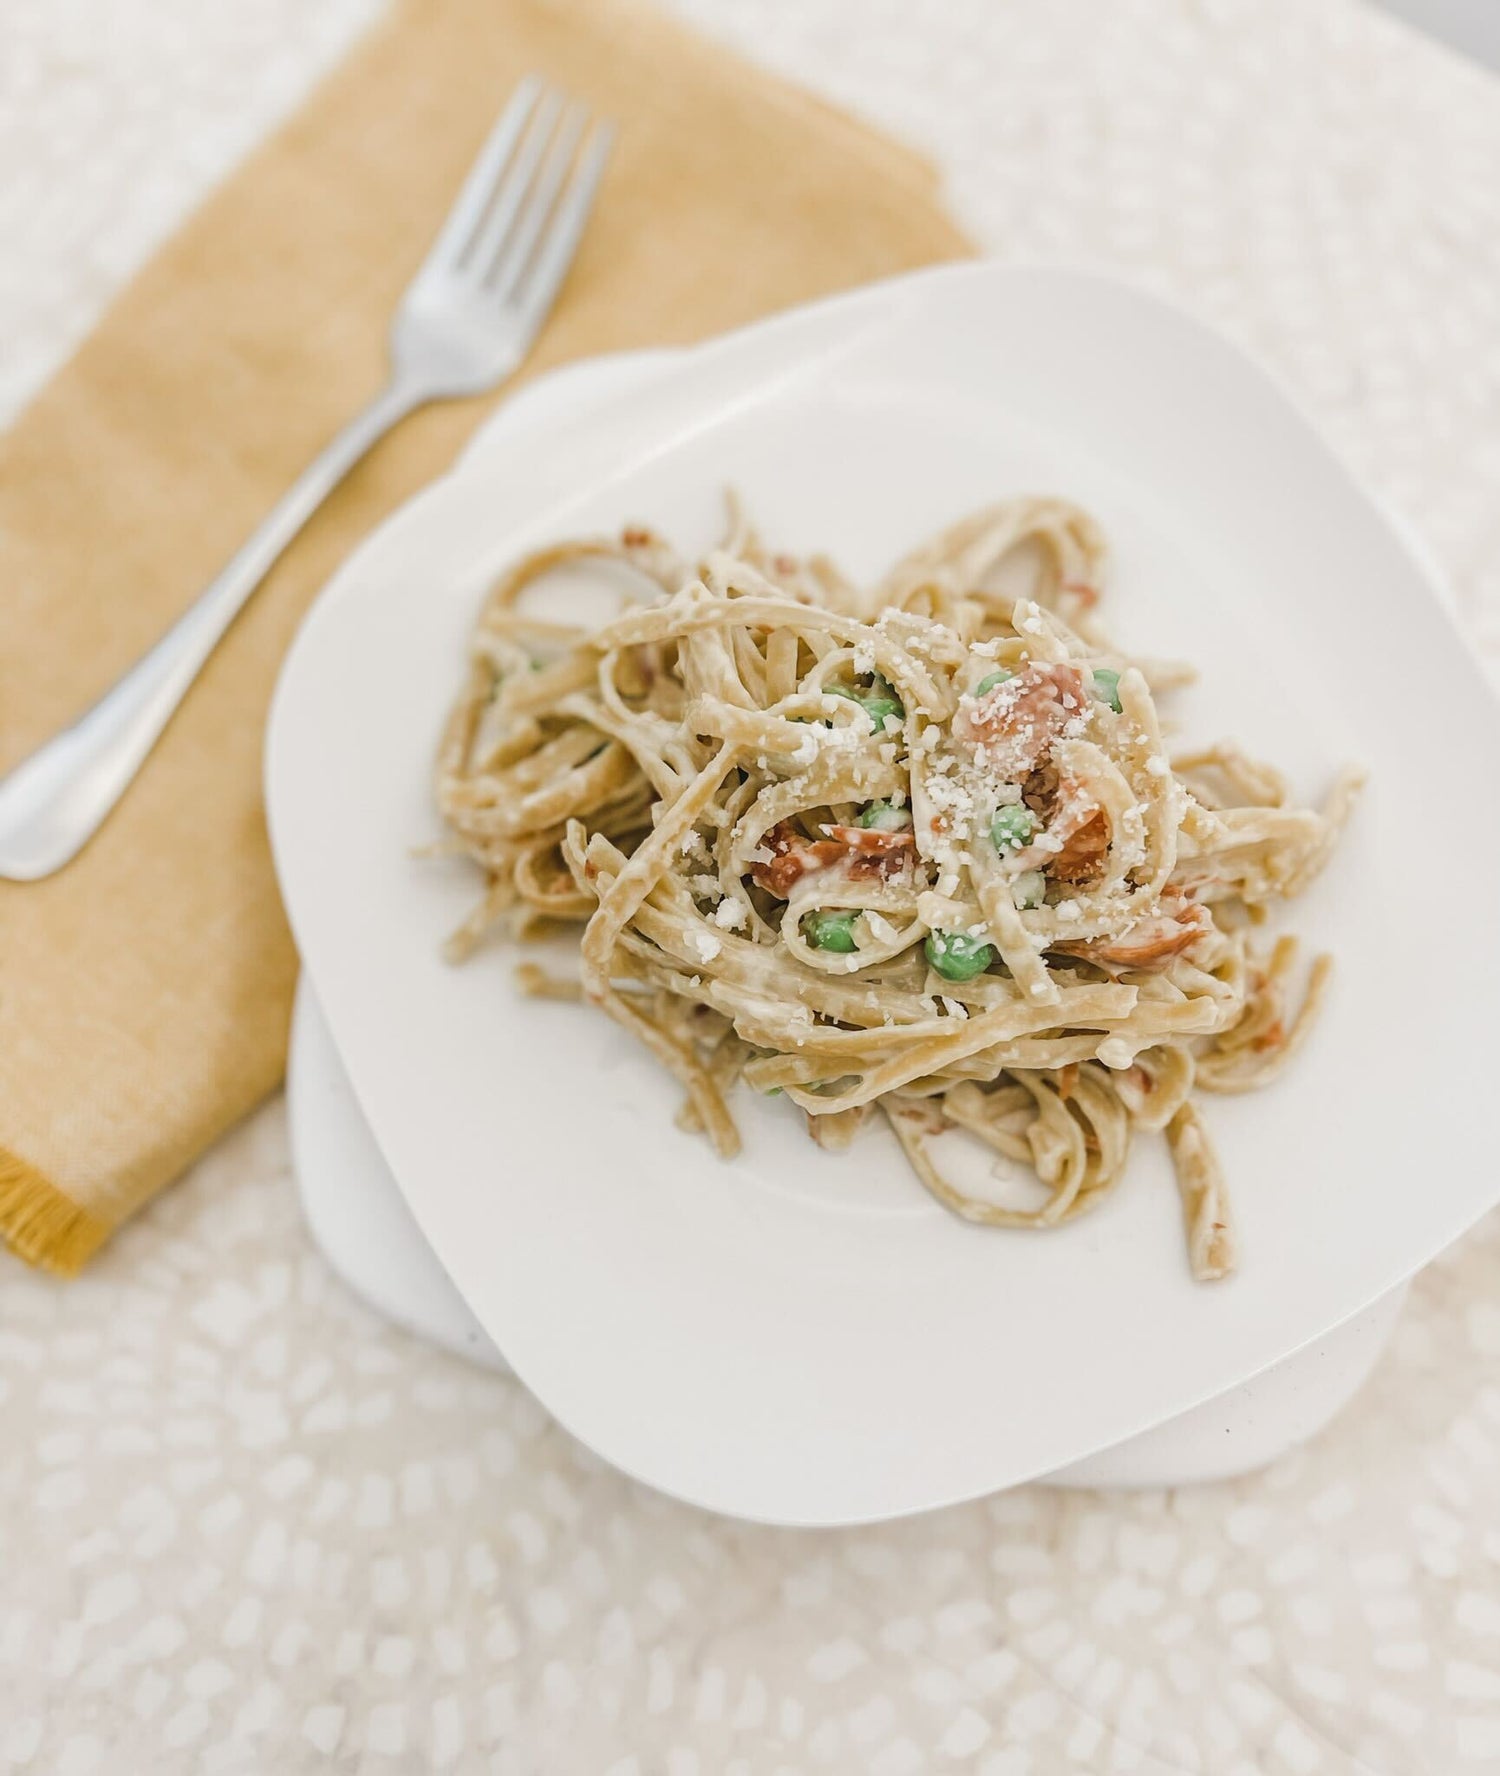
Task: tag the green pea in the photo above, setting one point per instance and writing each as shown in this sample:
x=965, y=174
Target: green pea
x=881, y=692
x=1012, y=826
x=1107, y=687
x=989, y=682
x=957, y=956
x=878, y=699
x=883, y=817
x=831, y=931
x=1029, y=890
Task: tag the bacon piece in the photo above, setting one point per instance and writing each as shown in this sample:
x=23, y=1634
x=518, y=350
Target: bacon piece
x=889, y=849
x=1150, y=941
x=793, y=856
x=1085, y=847
x=1075, y=831
x=869, y=854
x=1017, y=722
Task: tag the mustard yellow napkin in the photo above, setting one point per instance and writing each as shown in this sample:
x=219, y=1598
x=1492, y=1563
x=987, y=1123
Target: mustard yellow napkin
x=144, y=992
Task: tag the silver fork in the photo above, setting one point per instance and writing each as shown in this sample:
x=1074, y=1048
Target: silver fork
x=466, y=322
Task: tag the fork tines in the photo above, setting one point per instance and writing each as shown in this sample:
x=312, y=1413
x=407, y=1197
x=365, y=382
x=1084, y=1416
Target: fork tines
x=515, y=226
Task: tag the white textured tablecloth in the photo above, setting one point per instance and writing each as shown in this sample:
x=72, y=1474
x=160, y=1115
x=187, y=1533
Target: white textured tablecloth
x=245, y=1526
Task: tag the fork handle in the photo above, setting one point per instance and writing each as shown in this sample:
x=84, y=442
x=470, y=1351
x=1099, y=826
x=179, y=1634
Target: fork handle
x=54, y=801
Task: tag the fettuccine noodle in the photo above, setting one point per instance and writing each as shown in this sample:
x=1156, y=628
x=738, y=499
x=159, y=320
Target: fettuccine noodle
x=918, y=849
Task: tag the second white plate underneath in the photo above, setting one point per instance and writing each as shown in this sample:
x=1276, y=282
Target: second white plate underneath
x=358, y=1216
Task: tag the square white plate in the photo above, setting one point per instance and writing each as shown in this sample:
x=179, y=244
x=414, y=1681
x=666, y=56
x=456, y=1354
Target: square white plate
x=801, y=1337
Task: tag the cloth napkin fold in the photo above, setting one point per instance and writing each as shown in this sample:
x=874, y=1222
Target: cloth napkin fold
x=145, y=991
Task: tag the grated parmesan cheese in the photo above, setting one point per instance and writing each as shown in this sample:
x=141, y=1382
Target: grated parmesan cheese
x=704, y=944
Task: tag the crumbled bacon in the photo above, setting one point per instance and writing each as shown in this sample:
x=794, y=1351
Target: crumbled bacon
x=889, y=849
x=794, y=856
x=1081, y=859
x=1039, y=790
x=1075, y=826
x=1174, y=928
x=1017, y=722
x=1075, y=836
x=867, y=853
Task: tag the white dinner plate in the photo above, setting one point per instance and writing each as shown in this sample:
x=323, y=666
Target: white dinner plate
x=802, y=1337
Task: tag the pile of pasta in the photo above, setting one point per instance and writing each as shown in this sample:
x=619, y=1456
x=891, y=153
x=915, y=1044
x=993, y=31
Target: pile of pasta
x=918, y=848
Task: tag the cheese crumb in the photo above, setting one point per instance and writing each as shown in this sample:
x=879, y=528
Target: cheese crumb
x=704, y=944
x=730, y=915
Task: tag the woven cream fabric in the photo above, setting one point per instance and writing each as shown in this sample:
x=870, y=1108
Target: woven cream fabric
x=245, y=1527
